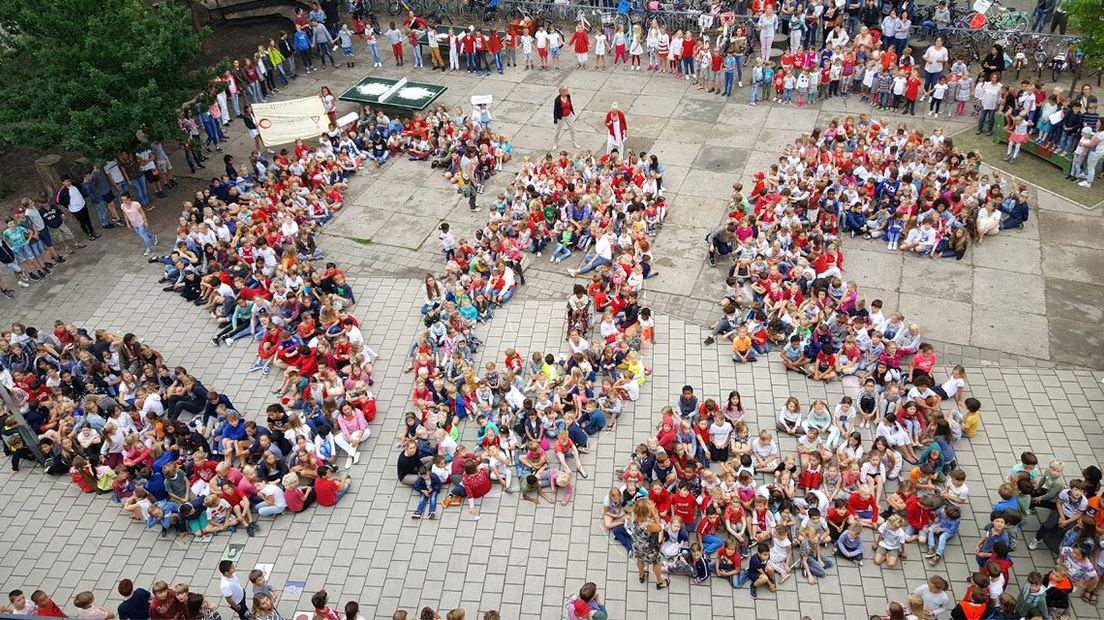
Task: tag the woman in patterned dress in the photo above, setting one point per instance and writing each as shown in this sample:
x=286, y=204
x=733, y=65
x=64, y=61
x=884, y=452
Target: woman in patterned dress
x=645, y=536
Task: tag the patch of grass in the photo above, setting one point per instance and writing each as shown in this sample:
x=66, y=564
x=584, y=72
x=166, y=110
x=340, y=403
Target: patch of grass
x=361, y=240
x=1029, y=168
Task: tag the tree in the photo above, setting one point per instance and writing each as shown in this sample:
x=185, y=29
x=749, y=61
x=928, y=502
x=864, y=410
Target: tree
x=86, y=74
x=1087, y=19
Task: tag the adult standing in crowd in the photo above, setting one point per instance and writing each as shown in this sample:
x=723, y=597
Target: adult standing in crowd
x=935, y=59
x=563, y=115
x=136, y=601
x=993, y=62
x=990, y=99
x=617, y=127
x=70, y=196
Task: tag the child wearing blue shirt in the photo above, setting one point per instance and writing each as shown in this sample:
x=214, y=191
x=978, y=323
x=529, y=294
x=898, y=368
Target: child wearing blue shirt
x=945, y=528
x=768, y=79
x=882, y=87
x=893, y=231
x=165, y=513
x=995, y=532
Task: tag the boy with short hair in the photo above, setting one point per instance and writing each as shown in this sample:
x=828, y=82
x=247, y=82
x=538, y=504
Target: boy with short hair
x=1032, y=598
x=86, y=610
x=18, y=605
x=45, y=606
x=759, y=572
x=934, y=595
x=944, y=529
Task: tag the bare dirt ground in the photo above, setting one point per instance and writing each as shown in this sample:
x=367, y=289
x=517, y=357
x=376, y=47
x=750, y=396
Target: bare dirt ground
x=18, y=176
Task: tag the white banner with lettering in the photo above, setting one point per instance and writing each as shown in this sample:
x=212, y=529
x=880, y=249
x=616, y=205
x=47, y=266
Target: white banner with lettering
x=282, y=122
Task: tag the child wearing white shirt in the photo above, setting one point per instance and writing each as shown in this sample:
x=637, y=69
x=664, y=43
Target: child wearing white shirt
x=899, y=83
x=527, y=49
x=802, y=88
x=937, y=93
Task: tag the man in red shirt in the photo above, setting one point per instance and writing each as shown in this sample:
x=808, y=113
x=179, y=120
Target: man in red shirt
x=329, y=489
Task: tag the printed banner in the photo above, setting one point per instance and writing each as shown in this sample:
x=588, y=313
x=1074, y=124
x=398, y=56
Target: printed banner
x=282, y=122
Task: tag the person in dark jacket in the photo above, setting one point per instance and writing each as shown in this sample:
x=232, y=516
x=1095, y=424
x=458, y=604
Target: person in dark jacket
x=71, y=197
x=1016, y=210
x=563, y=115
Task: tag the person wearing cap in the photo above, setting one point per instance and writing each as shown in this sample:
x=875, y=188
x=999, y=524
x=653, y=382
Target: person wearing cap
x=1093, y=142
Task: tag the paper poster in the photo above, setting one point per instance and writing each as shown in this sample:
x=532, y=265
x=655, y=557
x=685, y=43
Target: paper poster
x=293, y=590
x=266, y=569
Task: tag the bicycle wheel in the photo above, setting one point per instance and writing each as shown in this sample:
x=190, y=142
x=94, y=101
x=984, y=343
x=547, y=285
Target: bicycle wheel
x=443, y=16
x=394, y=8
x=1018, y=23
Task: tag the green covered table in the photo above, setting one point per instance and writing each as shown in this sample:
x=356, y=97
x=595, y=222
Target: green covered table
x=393, y=95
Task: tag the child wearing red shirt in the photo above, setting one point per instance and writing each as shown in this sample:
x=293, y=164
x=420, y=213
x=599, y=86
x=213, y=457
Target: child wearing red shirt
x=661, y=497
x=728, y=563
x=787, y=60
x=919, y=513
x=864, y=507
x=684, y=505
x=707, y=531
x=328, y=489
x=912, y=92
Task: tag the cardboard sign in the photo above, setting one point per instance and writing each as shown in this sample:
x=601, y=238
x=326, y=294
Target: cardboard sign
x=233, y=552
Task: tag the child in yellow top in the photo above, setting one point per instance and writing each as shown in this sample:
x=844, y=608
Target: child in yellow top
x=971, y=422
x=550, y=368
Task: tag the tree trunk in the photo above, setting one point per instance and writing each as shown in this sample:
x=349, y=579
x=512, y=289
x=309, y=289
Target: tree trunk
x=50, y=170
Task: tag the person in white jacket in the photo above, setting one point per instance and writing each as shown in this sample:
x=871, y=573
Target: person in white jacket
x=602, y=254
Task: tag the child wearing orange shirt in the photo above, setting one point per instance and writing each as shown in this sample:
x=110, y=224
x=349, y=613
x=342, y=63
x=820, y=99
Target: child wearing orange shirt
x=742, y=351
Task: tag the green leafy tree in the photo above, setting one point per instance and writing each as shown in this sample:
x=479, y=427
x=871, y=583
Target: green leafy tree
x=1087, y=19
x=85, y=75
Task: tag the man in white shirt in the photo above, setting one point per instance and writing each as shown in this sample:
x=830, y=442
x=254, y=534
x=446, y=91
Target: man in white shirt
x=602, y=254
x=990, y=98
x=70, y=197
x=232, y=589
